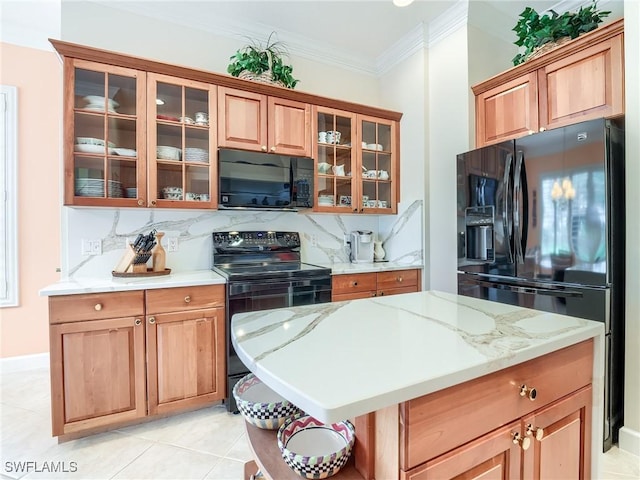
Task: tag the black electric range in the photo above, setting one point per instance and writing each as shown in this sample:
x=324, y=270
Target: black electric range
x=263, y=271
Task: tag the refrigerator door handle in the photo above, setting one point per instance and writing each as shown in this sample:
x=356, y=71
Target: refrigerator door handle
x=506, y=224
x=516, y=208
x=531, y=290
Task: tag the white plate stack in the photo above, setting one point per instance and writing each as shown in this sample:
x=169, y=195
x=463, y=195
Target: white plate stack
x=94, y=187
x=192, y=154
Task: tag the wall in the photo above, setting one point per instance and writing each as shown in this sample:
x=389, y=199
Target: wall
x=448, y=102
x=630, y=434
x=405, y=91
x=36, y=74
x=90, y=24
x=194, y=228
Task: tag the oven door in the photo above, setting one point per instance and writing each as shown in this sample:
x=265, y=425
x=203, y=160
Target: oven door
x=266, y=294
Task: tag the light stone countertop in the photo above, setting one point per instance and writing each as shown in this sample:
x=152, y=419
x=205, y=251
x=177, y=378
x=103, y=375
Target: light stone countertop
x=344, y=359
x=118, y=284
x=185, y=279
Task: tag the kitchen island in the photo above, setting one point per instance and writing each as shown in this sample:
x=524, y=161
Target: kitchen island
x=436, y=381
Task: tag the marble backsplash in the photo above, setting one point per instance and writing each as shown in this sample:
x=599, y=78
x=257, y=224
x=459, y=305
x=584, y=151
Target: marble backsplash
x=322, y=234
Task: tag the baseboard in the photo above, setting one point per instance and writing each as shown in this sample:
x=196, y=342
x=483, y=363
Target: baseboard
x=629, y=440
x=22, y=363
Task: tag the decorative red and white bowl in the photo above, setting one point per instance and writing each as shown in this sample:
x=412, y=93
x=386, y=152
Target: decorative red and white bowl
x=260, y=405
x=315, y=450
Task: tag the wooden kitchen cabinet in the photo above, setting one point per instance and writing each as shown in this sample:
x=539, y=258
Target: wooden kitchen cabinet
x=181, y=143
x=253, y=121
x=104, y=135
x=117, y=357
x=375, y=284
x=185, y=347
x=551, y=428
x=357, y=167
x=581, y=80
x=97, y=360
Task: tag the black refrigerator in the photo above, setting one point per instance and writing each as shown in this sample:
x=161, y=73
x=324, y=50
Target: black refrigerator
x=540, y=224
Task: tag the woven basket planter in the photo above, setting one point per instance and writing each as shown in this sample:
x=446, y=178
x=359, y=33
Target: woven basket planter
x=547, y=47
x=264, y=77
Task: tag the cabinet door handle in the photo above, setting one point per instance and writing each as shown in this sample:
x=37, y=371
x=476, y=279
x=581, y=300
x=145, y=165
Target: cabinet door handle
x=138, y=322
x=140, y=202
x=542, y=129
x=152, y=320
x=537, y=432
x=400, y=279
x=273, y=149
x=373, y=294
x=98, y=307
x=355, y=209
x=187, y=299
x=529, y=392
x=382, y=294
x=354, y=284
x=263, y=148
x=153, y=203
x=524, y=442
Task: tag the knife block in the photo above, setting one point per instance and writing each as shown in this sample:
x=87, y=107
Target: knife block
x=126, y=265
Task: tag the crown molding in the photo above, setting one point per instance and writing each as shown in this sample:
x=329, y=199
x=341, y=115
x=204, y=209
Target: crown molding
x=409, y=44
x=447, y=23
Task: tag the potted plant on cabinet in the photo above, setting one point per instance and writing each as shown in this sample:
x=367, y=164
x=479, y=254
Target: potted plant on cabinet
x=263, y=63
x=538, y=34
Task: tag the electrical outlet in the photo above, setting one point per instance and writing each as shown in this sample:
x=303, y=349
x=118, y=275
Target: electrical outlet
x=91, y=247
x=314, y=240
x=172, y=244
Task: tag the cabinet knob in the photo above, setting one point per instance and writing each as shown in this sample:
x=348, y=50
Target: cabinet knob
x=273, y=149
x=153, y=203
x=536, y=432
x=187, y=299
x=140, y=202
x=373, y=294
x=531, y=132
x=263, y=148
x=382, y=294
x=138, y=322
x=361, y=210
x=524, y=442
x=542, y=129
x=354, y=284
x=152, y=320
x=400, y=278
x=98, y=306
x=528, y=392
x=355, y=209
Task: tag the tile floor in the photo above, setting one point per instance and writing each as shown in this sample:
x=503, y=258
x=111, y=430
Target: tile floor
x=204, y=444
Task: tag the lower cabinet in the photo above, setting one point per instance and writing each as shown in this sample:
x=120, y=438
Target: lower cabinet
x=365, y=285
x=528, y=421
x=117, y=357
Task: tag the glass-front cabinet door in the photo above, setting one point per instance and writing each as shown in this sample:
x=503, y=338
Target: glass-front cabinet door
x=377, y=165
x=181, y=143
x=104, y=135
x=336, y=185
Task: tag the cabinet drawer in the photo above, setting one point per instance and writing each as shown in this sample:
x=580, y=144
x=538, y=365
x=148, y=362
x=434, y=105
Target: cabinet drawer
x=95, y=306
x=397, y=291
x=436, y=423
x=353, y=283
x=341, y=297
x=166, y=300
x=397, y=279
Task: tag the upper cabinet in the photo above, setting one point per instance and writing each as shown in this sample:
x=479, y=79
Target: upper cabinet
x=252, y=121
x=141, y=133
x=356, y=162
x=181, y=142
x=581, y=80
x=104, y=132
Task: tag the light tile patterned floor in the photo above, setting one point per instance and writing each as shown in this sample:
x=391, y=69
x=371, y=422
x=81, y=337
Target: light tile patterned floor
x=204, y=444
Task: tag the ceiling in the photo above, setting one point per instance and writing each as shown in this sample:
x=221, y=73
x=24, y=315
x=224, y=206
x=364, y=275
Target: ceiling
x=355, y=32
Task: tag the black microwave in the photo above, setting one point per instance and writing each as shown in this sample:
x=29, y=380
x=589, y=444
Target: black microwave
x=253, y=180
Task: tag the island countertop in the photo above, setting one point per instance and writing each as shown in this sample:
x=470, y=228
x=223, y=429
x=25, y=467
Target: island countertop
x=344, y=359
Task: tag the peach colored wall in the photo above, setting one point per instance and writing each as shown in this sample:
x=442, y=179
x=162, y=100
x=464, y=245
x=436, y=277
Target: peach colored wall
x=38, y=77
